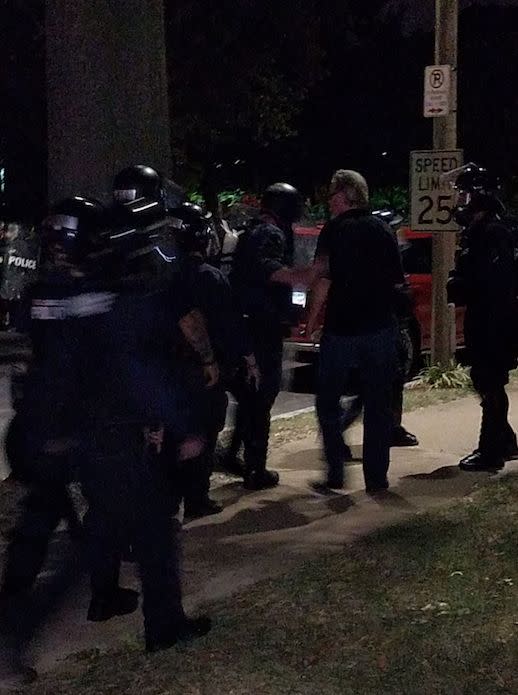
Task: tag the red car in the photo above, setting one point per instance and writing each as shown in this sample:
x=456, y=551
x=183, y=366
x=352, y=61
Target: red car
x=416, y=251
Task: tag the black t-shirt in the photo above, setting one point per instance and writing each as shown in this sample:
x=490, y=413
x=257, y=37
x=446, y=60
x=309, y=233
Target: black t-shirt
x=364, y=269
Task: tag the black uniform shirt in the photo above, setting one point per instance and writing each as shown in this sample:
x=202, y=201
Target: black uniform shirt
x=365, y=270
x=262, y=250
x=485, y=277
x=209, y=290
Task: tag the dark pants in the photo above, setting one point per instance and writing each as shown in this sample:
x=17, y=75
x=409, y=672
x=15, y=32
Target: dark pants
x=129, y=503
x=355, y=406
x=43, y=509
x=254, y=405
x=373, y=358
x=47, y=502
x=497, y=437
x=190, y=479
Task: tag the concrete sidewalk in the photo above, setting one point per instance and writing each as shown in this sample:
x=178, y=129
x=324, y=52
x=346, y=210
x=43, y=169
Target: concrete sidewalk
x=263, y=534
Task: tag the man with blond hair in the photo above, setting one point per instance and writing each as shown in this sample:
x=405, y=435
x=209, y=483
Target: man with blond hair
x=360, y=275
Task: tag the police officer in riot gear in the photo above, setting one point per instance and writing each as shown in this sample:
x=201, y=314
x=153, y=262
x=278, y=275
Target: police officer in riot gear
x=484, y=282
x=210, y=292
x=127, y=358
x=47, y=435
x=262, y=280
x=141, y=181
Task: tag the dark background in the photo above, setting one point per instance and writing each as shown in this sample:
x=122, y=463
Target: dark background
x=262, y=91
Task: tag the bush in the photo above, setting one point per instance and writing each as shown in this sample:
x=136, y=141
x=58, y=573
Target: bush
x=393, y=197
x=453, y=376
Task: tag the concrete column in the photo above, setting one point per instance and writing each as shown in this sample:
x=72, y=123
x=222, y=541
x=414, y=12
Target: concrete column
x=106, y=92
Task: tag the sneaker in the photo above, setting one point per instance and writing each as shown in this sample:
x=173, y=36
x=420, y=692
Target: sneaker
x=325, y=487
x=198, y=510
x=260, y=480
x=121, y=602
x=189, y=630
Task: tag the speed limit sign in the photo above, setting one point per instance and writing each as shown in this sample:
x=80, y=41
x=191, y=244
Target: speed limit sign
x=431, y=197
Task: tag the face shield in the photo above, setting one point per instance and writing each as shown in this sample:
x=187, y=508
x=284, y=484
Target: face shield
x=141, y=242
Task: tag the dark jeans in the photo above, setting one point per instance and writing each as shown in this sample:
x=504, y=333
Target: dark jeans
x=355, y=406
x=497, y=437
x=254, y=405
x=129, y=503
x=373, y=358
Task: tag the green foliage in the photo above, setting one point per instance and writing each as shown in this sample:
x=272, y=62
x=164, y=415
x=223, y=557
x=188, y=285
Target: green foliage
x=314, y=213
x=227, y=199
x=453, y=376
x=394, y=197
x=230, y=198
x=195, y=197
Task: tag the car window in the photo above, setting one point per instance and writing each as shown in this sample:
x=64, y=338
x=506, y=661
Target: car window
x=305, y=247
x=417, y=256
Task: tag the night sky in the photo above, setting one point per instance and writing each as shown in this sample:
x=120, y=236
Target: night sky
x=419, y=14
x=358, y=66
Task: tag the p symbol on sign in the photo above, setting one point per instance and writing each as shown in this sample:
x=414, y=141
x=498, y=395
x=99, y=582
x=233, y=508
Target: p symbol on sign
x=436, y=79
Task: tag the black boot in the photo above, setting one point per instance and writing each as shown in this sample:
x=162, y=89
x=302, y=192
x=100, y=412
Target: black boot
x=476, y=461
x=232, y=464
x=400, y=437
x=121, y=602
x=260, y=479
x=190, y=629
x=510, y=446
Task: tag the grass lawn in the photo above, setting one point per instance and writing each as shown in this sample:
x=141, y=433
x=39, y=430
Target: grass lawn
x=426, y=607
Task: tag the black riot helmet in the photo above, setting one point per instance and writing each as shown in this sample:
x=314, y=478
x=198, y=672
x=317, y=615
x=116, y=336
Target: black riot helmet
x=141, y=181
x=134, y=225
x=139, y=246
x=134, y=182
x=70, y=230
x=284, y=201
x=192, y=225
x=478, y=191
